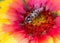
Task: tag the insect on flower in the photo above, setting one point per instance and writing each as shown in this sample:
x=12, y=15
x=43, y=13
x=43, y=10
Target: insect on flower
x=33, y=15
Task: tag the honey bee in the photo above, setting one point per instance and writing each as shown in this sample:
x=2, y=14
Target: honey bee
x=33, y=15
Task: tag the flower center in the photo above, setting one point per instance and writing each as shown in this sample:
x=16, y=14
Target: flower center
x=39, y=20
x=39, y=23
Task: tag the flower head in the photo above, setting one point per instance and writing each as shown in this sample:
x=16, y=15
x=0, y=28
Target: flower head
x=32, y=21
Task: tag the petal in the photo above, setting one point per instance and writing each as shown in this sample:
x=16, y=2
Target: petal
x=54, y=5
x=46, y=39
x=57, y=21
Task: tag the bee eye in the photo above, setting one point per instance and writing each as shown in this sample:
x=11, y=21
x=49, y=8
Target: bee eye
x=28, y=19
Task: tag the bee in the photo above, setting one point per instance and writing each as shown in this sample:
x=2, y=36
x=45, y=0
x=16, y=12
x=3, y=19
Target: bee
x=33, y=15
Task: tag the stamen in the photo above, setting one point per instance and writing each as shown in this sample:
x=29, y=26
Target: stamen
x=25, y=4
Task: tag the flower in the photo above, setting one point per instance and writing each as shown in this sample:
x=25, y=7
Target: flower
x=4, y=5
x=45, y=28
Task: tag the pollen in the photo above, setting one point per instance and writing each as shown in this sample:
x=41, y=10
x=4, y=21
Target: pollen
x=38, y=20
